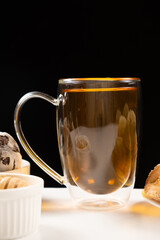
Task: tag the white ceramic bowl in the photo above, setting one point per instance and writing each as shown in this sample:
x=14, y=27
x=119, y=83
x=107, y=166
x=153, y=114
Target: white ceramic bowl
x=20, y=208
x=24, y=169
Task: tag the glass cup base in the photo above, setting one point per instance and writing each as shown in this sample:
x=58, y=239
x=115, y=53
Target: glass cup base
x=100, y=204
x=111, y=201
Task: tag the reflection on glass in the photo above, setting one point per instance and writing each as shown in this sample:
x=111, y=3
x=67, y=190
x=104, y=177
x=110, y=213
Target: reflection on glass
x=125, y=149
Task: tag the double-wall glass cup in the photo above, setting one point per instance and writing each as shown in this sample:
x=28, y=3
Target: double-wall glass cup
x=98, y=131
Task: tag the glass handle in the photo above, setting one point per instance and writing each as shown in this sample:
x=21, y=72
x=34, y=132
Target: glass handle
x=18, y=128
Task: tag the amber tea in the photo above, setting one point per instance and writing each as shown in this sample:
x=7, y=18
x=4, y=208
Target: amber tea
x=100, y=140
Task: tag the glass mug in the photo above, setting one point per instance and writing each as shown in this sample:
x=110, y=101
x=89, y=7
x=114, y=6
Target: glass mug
x=98, y=129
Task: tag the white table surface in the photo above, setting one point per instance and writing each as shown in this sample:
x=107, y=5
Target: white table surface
x=61, y=220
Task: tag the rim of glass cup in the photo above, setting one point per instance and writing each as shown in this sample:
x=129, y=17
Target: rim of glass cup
x=122, y=79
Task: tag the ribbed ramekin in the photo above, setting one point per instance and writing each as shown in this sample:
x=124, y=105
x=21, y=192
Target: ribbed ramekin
x=20, y=208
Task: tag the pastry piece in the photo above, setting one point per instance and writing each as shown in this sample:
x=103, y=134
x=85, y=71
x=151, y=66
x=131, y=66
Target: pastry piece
x=152, y=185
x=10, y=157
x=8, y=182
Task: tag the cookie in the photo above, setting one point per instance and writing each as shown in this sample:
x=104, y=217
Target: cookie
x=152, y=184
x=10, y=157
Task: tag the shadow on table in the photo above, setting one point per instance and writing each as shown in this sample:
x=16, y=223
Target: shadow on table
x=145, y=209
x=141, y=208
x=57, y=205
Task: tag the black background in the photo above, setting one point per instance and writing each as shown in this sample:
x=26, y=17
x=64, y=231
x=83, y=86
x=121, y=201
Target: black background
x=40, y=43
